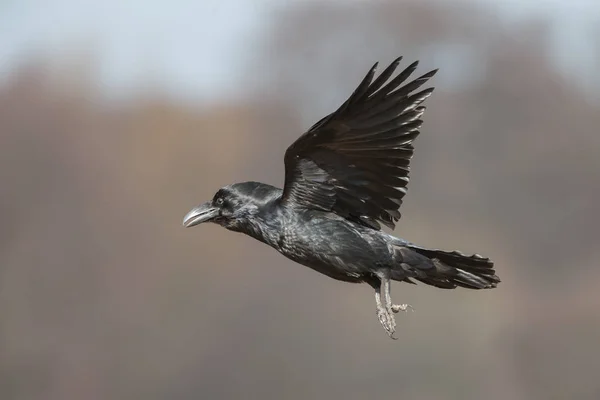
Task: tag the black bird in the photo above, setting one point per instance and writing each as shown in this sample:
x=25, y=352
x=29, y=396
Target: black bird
x=345, y=177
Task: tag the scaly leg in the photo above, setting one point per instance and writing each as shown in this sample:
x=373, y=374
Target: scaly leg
x=395, y=308
x=382, y=313
x=386, y=313
x=385, y=287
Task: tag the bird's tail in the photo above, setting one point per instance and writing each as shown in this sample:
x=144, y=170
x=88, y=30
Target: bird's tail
x=451, y=269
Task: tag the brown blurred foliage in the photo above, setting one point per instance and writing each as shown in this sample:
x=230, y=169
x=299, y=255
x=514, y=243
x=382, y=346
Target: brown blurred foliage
x=103, y=295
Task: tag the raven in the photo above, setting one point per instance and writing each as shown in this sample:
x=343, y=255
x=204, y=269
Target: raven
x=345, y=177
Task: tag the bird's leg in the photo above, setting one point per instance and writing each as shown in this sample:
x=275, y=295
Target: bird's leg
x=389, y=306
x=395, y=308
x=382, y=313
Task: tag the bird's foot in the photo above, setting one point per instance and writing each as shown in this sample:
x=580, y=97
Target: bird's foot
x=396, y=308
x=387, y=320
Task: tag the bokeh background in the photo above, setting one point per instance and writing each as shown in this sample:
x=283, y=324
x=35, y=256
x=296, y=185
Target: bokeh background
x=117, y=117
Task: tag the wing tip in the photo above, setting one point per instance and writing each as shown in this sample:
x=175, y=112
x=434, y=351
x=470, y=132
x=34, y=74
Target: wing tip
x=430, y=74
x=413, y=65
x=397, y=61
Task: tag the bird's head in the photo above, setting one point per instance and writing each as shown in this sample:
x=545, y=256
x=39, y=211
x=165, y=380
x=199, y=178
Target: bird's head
x=232, y=206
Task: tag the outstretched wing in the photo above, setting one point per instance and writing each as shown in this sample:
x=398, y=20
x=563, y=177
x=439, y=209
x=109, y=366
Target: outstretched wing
x=355, y=161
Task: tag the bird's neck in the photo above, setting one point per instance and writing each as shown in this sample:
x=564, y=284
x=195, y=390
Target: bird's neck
x=266, y=225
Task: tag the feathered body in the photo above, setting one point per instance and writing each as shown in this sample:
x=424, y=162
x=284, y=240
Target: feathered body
x=345, y=250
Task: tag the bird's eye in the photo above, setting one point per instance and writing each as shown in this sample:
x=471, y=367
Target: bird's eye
x=220, y=201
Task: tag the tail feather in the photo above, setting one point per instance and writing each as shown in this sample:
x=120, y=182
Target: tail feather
x=447, y=270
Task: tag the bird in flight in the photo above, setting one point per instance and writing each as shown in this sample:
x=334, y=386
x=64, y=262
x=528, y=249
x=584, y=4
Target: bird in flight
x=344, y=178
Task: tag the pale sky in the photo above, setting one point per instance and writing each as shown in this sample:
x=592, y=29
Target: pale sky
x=175, y=43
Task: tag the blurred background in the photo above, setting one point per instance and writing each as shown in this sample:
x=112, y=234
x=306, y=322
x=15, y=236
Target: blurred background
x=117, y=117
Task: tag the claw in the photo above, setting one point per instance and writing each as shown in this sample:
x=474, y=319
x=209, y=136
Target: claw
x=396, y=308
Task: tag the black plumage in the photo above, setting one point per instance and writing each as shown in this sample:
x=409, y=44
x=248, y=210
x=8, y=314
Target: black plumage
x=346, y=176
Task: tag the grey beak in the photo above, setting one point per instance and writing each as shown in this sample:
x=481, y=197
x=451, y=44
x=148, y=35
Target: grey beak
x=203, y=213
